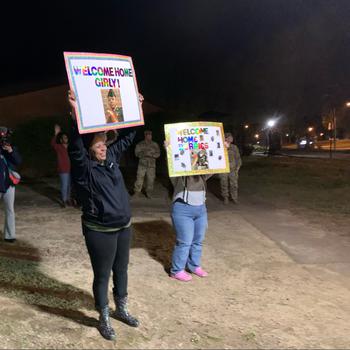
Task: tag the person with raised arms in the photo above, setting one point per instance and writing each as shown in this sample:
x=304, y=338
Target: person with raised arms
x=106, y=217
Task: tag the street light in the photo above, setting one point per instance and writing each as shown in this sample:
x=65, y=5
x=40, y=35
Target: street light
x=310, y=128
x=246, y=126
x=271, y=123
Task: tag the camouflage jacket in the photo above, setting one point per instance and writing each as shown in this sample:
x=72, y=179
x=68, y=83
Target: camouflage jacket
x=117, y=116
x=234, y=157
x=147, y=152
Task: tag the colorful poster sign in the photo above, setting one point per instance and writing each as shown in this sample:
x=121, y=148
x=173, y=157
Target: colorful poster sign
x=106, y=90
x=196, y=148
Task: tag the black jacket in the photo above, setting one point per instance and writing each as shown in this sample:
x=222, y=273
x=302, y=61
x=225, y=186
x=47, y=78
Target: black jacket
x=100, y=188
x=7, y=160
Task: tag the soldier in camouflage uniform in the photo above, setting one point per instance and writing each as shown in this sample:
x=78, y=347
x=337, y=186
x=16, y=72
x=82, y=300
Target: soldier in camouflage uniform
x=147, y=151
x=114, y=113
x=229, y=181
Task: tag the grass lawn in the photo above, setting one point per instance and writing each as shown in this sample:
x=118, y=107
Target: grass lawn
x=317, y=188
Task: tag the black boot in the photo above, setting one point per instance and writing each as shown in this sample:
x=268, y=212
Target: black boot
x=104, y=325
x=121, y=313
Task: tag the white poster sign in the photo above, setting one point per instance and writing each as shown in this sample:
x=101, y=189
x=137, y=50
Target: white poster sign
x=106, y=90
x=196, y=148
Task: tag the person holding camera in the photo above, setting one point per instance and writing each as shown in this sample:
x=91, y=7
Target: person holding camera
x=9, y=158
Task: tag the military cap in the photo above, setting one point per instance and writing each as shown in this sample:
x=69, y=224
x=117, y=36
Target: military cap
x=111, y=93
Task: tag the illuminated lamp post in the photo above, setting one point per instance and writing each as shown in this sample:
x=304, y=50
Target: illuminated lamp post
x=270, y=124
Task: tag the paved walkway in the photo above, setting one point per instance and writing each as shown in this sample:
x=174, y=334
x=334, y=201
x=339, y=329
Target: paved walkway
x=306, y=244
x=306, y=154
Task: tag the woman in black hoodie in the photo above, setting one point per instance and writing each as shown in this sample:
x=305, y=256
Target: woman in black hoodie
x=106, y=218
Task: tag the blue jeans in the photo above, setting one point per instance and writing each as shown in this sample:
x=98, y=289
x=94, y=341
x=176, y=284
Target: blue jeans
x=190, y=223
x=65, y=186
x=9, y=202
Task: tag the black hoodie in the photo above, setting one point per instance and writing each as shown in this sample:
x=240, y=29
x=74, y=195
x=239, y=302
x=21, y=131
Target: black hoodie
x=100, y=188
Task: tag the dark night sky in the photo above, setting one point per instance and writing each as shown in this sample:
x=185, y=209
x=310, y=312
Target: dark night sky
x=250, y=58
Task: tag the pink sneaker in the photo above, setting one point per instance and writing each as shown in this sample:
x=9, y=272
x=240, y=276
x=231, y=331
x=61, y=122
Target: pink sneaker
x=200, y=272
x=182, y=276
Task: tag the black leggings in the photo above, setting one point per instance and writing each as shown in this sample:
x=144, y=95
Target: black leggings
x=109, y=251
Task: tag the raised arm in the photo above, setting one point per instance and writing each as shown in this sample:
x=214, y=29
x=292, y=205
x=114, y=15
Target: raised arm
x=57, y=130
x=76, y=150
x=121, y=145
x=116, y=149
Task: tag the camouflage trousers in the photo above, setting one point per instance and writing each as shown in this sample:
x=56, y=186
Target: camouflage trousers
x=229, y=185
x=142, y=172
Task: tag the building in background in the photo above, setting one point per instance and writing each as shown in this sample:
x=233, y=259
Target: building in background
x=20, y=107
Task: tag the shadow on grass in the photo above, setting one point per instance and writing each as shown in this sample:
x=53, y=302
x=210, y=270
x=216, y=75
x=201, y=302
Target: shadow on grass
x=157, y=238
x=21, y=278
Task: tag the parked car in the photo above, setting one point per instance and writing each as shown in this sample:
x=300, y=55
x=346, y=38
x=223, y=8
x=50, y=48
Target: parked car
x=306, y=143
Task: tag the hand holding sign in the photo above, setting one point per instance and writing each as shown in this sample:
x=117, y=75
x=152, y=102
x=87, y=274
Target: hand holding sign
x=141, y=98
x=166, y=144
x=57, y=129
x=73, y=103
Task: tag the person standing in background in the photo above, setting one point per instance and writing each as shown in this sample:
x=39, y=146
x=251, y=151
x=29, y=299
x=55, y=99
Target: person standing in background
x=229, y=181
x=59, y=143
x=9, y=157
x=147, y=151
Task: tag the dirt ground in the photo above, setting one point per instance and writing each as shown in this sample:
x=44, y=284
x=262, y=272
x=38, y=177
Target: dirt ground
x=261, y=291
